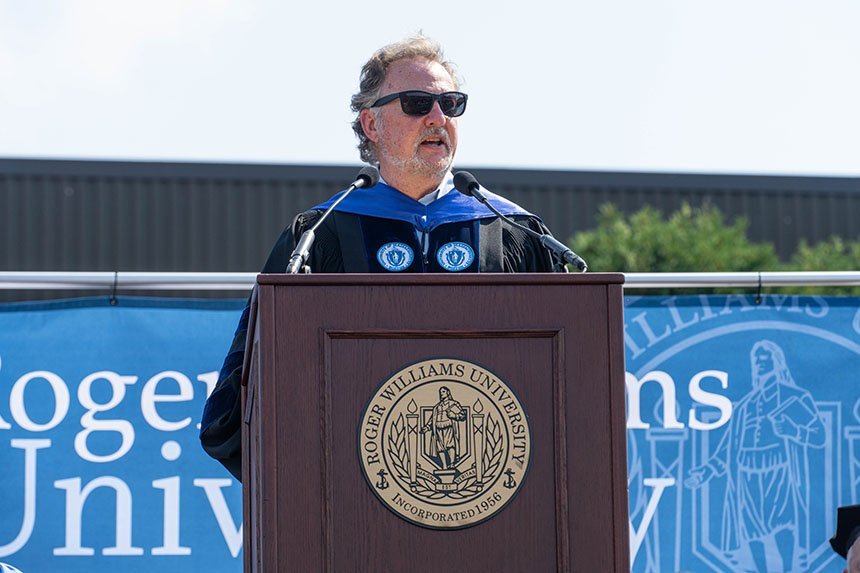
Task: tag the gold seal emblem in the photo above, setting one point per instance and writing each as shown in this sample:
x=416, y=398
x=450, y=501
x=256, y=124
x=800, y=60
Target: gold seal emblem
x=444, y=443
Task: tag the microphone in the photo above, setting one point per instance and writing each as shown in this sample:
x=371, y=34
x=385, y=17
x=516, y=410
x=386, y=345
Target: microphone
x=368, y=176
x=466, y=184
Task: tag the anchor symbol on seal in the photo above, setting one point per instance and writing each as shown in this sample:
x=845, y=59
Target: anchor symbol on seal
x=382, y=483
x=509, y=482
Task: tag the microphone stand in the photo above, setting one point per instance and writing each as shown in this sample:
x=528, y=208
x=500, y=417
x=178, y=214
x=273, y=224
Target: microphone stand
x=562, y=253
x=553, y=245
x=367, y=177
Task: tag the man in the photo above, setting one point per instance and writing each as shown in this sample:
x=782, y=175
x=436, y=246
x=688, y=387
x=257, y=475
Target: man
x=762, y=455
x=407, y=110
x=445, y=442
x=846, y=540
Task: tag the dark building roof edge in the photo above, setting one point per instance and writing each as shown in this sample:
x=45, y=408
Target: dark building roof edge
x=341, y=175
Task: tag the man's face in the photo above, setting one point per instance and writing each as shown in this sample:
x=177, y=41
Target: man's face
x=412, y=146
x=444, y=394
x=763, y=362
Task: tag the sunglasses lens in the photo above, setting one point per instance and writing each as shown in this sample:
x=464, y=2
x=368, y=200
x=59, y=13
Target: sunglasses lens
x=453, y=104
x=416, y=103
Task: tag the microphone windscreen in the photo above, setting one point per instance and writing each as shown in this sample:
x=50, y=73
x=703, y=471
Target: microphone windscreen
x=369, y=175
x=464, y=182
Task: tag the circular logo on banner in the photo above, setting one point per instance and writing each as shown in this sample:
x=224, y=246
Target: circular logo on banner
x=395, y=256
x=444, y=443
x=455, y=256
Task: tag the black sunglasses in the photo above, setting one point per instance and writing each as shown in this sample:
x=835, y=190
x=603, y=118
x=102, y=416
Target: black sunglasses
x=415, y=102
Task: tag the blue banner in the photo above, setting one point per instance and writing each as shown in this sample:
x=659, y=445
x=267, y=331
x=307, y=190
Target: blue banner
x=743, y=434
x=99, y=413
x=743, y=430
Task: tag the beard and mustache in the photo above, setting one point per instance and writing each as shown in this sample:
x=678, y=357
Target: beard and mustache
x=415, y=164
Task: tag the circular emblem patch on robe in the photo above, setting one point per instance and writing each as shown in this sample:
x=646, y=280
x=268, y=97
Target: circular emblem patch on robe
x=395, y=256
x=455, y=256
x=444, y=443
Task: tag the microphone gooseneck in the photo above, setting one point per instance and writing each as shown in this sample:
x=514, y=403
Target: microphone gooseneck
x=368, y=176
x=466, y=184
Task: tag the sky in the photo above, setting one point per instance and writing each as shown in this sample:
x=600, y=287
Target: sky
x=722, y=86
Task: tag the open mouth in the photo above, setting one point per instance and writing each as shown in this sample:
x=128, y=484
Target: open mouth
x=435, y=143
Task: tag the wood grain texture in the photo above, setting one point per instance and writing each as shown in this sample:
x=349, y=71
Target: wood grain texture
x=562, y=495
x=329, y=342
x=618, y=415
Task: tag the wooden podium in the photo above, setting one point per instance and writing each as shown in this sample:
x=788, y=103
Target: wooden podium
x=320, y=348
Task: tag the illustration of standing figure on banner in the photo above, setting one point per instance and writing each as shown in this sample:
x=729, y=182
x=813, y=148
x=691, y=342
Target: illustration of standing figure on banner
x=763, y=457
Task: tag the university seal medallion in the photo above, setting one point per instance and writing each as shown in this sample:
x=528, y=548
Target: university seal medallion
x=444, y=443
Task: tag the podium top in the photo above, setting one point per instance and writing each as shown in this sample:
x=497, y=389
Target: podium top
x=443, y=279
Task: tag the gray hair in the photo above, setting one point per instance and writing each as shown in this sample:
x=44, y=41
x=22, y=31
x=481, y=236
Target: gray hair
x=373, y=74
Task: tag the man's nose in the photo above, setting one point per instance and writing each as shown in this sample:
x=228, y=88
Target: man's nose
x=435, y=117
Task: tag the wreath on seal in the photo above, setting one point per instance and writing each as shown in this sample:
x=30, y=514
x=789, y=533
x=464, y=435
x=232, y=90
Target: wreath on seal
x=425, y=485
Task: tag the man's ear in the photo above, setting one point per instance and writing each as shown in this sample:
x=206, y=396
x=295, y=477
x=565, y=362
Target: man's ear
x=369, y=125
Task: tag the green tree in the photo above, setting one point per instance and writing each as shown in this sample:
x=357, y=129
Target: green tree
x=834, y=254
x=690, y=240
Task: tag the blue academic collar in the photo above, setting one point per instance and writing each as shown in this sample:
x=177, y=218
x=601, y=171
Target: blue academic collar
x=386, y=202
